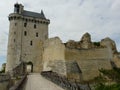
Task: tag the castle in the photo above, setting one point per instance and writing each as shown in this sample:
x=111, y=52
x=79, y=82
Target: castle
x=27, y=32
x=80, y=60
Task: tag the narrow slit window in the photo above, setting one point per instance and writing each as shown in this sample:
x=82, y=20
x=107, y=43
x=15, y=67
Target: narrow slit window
x=15, y=24
x=35, y=26
x=37, y=34
x=46, y=36
x=25, y=24
x=14, y=40
x=31, y=43
x=25, y=33
x=14, y=33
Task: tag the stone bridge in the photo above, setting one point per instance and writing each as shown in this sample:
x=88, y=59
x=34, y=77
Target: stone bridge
x=35, y=81
x=45, y=81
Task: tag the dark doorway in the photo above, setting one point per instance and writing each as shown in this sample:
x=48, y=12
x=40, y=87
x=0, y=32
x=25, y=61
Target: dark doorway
x=29, y=67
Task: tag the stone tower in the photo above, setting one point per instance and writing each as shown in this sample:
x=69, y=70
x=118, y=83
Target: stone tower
x=27, y=32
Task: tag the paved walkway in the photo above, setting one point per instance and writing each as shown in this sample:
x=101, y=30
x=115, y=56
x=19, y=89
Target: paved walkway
x=37, y=82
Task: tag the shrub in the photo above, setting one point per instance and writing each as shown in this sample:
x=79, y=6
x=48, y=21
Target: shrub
x=113, y=75
x=96, y=44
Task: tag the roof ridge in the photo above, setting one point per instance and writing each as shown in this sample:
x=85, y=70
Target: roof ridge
x=33, y=14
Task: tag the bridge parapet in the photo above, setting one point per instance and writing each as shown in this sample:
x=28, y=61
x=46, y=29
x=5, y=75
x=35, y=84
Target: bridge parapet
x=19, y=70
x=19, y=84
x=63, y=81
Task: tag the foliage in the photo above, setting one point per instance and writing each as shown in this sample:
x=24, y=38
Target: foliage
x=2, y=71
x=107, y=87
x=113, y=75
x=96, y=43
x=99, y=79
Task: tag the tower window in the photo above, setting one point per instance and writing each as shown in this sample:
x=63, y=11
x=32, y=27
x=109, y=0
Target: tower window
x=25, y=24
x=14, y=40
x=37, y=34
x=16, y=9
x=34, y=25
x=46, y=36
x=14, y=33
x=31, y=43
x=25, y=33
x=15, y=24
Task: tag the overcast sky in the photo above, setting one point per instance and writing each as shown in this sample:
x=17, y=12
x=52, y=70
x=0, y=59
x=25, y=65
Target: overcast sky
x=70, y=19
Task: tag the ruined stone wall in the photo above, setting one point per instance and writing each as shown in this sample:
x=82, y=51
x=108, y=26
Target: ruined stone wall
x=90, y=68
x=90, y=60
x=54, y=56
x=98, y=53
x=73, y=70
x=116, y=60
x=59, y=59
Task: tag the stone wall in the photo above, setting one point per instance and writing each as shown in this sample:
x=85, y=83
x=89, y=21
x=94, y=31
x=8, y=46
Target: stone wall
x=109, y=43
x=98, y=53
x=73, y=70
x=58, y=66
x=116, y=60
x=54, y=56
x=90, y=68
x=14, y=45
x=59, y=59
x=90, y=60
